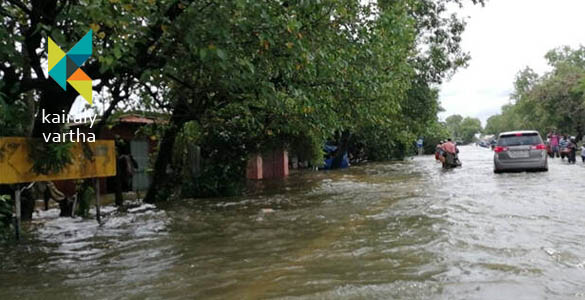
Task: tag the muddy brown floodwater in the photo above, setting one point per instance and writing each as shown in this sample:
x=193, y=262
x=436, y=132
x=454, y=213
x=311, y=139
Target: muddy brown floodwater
x=405, y=230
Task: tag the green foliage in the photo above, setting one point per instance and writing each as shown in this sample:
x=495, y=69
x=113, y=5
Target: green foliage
x=49, y=157
x=223, y=166
x=253, y=75
x=505, y=121
x=435, y=133
x=308, y=147
x=463, y=129
x=381, y=145
x=223, y=159
x=13, y=118
x=469, y=128
x=454, y=125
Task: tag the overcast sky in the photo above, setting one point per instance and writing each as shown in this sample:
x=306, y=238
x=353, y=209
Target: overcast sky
x=503, y=37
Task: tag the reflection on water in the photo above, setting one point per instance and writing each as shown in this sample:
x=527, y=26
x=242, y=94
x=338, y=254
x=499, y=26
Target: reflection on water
x=404, y=230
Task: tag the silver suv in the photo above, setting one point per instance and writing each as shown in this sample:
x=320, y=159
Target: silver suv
x=520, y=151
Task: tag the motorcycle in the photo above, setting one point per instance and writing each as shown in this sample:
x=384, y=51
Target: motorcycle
x=451, y=161
x=565, y=152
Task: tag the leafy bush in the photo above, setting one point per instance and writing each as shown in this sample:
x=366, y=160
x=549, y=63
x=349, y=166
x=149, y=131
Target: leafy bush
x=49, y=157
x=433, y=136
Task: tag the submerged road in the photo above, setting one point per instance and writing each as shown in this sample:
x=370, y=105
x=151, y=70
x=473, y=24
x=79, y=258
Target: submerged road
x=404, y=230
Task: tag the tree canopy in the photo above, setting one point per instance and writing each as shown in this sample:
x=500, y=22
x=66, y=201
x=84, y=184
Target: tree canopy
x=463, y=129
x=551, y=101
x=246, y=75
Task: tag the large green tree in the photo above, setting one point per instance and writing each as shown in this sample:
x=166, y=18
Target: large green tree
x=126, y=36
x=453, y=123
x=463, y=129
x=249, y=75
x=469, y=128
x=552, y=101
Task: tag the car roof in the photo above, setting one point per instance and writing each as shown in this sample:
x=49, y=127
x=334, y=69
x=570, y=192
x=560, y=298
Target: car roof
x=518, y=132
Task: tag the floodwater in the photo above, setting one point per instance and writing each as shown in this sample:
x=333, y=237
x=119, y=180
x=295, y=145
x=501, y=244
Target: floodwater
x=406, y=230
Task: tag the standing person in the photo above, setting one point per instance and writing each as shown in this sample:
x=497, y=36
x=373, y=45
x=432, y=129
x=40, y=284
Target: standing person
x=442, y=152
x=572, y=146
x=583, y=153
x=439, y=151
x=554, y=143
x=450, y=147
x=419, y=146
x=125, y=166
x=563, y=143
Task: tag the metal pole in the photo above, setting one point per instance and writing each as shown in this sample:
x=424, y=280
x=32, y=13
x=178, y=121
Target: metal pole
x=17, y=211
x=97, y=201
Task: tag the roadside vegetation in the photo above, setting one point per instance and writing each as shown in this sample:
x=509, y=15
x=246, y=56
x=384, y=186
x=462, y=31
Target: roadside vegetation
x=463, y=129
x=237, y=77
x=550, y=101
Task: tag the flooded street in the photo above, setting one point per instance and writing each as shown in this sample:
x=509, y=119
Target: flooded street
x=404, y=230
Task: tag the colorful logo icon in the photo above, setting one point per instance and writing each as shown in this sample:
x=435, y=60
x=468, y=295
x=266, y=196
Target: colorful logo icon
x=65, y=67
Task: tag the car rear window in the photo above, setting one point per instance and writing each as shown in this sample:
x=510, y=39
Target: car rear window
x=519, y=139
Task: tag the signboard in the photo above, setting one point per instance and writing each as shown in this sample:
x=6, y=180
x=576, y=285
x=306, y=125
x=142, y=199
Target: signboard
x=16, y=167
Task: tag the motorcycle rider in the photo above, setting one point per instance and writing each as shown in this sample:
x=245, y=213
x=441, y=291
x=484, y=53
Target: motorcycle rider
x=439, y=151
x=450, y=154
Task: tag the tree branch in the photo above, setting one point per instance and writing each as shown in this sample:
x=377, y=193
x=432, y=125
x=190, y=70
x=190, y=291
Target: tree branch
x=21, y=6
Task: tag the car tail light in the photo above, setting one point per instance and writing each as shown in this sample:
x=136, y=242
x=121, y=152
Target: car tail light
x=539, y=147
x=499, y=149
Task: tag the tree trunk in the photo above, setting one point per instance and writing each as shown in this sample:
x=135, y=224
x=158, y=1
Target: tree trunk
x=119, y=196
x=160, y=179
x=27, y=205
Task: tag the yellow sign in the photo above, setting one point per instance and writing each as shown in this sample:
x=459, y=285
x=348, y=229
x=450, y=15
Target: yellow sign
x=16, y=167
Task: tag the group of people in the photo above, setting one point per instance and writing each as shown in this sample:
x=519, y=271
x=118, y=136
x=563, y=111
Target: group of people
x=446, y=152
x=563, y=146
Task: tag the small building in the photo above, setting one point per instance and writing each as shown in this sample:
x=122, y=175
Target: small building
x=270, y=164
x=125, y=128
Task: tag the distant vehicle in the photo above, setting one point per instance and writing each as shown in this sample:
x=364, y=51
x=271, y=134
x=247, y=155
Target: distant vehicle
x=520, y=151
x=483, y=144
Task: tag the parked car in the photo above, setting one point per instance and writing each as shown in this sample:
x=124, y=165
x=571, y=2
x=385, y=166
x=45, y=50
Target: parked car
x=520, y=151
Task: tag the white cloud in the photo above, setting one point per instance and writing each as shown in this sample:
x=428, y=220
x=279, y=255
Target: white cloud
x=503, y=37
